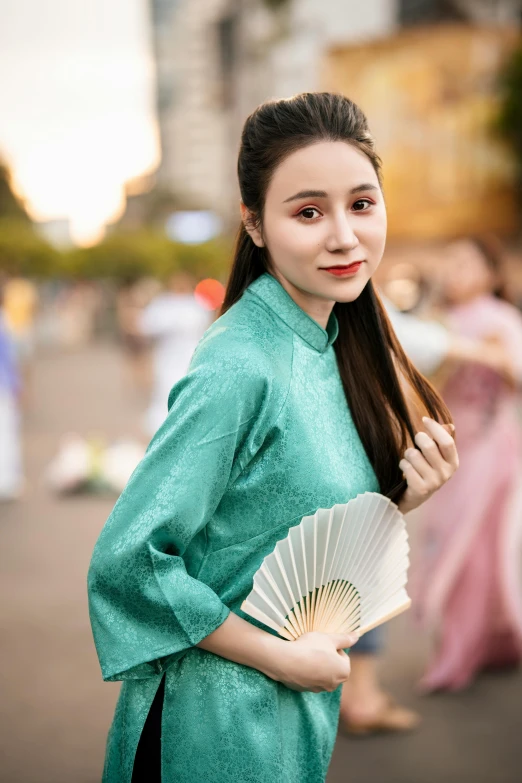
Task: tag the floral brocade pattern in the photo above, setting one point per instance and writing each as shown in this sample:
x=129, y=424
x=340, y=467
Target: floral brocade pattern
x=258, y=435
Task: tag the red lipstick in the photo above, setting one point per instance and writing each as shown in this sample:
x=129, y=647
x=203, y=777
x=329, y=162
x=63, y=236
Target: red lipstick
x=344, y=270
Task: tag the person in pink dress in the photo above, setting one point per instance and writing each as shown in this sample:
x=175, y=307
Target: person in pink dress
x=466, y=583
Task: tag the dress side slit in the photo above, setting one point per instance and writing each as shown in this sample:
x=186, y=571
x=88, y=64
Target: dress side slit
x=147, y=762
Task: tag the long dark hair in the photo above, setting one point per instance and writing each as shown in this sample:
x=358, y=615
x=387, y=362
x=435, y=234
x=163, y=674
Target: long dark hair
x=369, y=356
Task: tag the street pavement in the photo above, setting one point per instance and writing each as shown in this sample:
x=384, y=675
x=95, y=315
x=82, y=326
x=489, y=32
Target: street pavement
x=54, y=708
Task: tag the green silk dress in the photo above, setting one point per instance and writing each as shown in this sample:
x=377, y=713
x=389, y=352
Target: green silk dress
x=259, y=434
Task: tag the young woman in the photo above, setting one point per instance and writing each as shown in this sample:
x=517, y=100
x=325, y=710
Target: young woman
x=467, y=579
x=293, y=401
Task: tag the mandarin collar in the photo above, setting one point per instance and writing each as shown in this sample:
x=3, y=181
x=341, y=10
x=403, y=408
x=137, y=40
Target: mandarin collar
x=272, y=293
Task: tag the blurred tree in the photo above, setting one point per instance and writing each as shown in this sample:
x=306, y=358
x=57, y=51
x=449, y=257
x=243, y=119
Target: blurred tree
x=10, y=205
x=145, y=252
x=510, y=115
x=139, y=248
x=23, y=252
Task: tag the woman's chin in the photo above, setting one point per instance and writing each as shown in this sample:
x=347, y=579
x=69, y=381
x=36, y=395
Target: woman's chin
x=348, y=290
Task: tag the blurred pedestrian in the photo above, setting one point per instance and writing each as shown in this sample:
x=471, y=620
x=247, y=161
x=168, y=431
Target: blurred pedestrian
x=366, y=707
x=20, y=307
x=467, y=578
x=174, y=322
x=77, y=307
x=11, y=476
x=134, y=295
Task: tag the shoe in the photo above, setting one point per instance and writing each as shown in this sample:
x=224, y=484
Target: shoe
x=390, y=718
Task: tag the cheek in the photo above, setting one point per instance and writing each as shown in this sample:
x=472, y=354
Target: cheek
x=292, y=239
x=372, y=234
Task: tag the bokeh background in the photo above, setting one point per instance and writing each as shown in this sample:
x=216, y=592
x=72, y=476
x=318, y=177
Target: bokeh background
x=119, y=128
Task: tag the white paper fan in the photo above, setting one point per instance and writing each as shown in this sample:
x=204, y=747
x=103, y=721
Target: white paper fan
x=342, y=569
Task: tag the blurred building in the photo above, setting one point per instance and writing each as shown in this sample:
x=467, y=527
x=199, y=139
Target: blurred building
x=192, y=120
x=430, y=93
x=218, y=59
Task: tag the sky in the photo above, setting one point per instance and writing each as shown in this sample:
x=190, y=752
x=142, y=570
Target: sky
x=76, y=106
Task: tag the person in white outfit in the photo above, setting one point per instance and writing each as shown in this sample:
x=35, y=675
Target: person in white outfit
x=174, y=322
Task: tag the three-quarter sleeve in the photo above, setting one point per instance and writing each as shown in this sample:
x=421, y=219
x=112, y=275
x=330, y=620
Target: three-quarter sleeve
x=143, y=603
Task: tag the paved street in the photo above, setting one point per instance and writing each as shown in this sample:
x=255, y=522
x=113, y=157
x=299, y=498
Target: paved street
x=55, y=710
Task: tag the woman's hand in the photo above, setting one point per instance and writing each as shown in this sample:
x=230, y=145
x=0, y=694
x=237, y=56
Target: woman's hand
x=429, y=466
x=316, y=662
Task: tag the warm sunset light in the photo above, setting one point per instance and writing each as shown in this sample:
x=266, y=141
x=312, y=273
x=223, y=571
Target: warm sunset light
x=76, y=92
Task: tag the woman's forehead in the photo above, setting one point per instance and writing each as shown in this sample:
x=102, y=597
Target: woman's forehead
x=328, y=166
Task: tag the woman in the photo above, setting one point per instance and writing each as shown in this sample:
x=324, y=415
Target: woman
x=259, y=434
x=365, y=707
x=467, y=584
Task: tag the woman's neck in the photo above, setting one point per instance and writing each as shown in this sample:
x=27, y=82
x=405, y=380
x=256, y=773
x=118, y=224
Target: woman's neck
x=315, y=306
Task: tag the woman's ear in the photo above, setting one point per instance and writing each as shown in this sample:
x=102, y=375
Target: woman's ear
x=251, y=226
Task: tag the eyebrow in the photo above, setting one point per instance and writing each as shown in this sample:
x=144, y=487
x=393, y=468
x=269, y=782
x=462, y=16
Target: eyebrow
x=323, y=194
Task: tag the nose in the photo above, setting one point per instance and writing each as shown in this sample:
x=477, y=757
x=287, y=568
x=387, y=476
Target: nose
x=342, y=236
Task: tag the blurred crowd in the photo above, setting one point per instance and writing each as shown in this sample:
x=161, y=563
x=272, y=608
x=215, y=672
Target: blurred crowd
x=157, y=326
x=454, y=315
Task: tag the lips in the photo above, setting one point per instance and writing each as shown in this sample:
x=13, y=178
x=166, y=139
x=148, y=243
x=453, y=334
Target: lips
x=341, y=270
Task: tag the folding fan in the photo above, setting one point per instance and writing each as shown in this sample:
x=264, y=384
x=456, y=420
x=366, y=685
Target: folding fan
x=342, y=569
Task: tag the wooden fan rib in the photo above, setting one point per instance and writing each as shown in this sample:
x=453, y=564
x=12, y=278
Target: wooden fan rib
x=387, y=589
x=382, y=608
x=388, y=616
x=343, y=612
x=327, y=599
x=344, y=596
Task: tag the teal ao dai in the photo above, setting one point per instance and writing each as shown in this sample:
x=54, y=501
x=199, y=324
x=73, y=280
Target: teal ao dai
x=258, y=435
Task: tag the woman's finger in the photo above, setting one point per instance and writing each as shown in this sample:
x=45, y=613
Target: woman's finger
x=342, y=640
x=424, y=468
x=431, y=452
x=443, y=440
x=414, y=480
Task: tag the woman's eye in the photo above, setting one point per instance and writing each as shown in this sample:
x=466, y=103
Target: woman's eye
x=362, y=204
x=309, y=213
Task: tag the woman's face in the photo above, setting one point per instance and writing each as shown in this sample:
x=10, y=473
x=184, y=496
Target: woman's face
x=324, y=209
x=465, y=273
